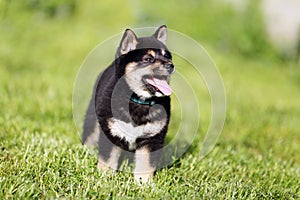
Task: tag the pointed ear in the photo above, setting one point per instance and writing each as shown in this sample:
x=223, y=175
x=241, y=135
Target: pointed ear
x=128, y=43
x=161, y=34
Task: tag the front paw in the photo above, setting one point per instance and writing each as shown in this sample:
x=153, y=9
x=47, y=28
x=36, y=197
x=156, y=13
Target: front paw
x=102, y=166
x=143, y=177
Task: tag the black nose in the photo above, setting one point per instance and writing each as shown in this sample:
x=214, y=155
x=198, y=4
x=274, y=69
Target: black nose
x=170, y=67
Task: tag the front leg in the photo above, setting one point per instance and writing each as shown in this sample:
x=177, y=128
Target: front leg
x=144, y=169
x=147, y=156
x=112, y=161
x=109, y=154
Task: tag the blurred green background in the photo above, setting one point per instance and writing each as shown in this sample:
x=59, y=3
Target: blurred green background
x=43, y=43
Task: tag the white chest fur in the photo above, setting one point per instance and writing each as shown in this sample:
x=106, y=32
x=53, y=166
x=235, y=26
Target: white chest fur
x=130, y=133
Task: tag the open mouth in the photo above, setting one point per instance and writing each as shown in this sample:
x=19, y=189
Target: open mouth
x=154, y=85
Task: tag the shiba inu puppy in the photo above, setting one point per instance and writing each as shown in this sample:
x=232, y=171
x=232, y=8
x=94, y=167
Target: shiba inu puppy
x=130, y=107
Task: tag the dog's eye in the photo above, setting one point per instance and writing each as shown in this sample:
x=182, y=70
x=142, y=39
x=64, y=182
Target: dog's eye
x=148, y=59
x=168, y=55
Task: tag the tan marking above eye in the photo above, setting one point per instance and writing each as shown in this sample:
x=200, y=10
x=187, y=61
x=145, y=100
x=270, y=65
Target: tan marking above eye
x=163, y=52
x=152, y=53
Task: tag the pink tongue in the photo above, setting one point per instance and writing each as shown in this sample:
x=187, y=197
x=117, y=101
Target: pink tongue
x=161, y=85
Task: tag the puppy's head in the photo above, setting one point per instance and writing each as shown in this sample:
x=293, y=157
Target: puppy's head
x=148, y=63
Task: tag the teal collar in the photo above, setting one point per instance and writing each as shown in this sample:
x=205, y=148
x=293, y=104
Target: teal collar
x=142, y=102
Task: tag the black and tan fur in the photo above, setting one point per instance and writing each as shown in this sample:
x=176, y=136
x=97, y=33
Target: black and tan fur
x=126, y=112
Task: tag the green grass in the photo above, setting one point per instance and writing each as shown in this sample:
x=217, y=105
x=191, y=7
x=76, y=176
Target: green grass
x=257, y=155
